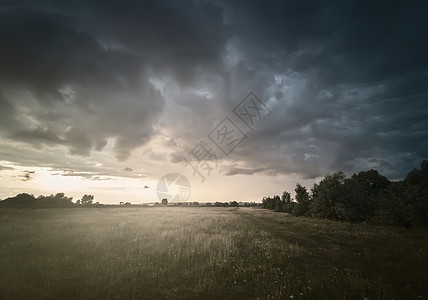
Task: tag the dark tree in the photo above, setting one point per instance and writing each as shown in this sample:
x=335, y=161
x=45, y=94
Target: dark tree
x=233, y=204
x=328, y=196
x=268, y=203
x=364, y=197
x=301, y=208
x=26, y=200
x=20, y=201
x=405, y=203
x=87, y=199
x=285, y=203
x=58, y=200
x=164, y=201
x=372, y=181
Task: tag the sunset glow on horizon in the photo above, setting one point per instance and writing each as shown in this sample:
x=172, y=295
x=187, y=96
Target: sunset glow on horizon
x=243, y=99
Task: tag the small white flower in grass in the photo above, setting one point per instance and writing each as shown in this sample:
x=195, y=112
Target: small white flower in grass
x=291, y=297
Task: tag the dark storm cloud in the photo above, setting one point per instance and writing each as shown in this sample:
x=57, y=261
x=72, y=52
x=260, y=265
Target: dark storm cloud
x=36, y=136
x=347, y=81
x=45, y=57
x=350, y=41
x=353, y=93
x=89, y=67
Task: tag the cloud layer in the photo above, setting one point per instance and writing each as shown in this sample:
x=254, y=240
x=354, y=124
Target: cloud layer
x=346, y=83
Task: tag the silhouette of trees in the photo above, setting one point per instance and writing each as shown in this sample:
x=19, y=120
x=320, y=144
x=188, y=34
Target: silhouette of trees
x=25, y=200
x=57, y=200
x=405, y=203
x=328, y=202
x=302, y=205
x=364, y=197
x=87, y=199
x=19, y=201
x=233, y=204
x=221, y=204
x=277, y=203
x=285, y=204
x=269, y=203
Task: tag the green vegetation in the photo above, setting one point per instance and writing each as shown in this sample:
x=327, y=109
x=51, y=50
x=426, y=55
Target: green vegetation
x=204, y=253
x=364, y=197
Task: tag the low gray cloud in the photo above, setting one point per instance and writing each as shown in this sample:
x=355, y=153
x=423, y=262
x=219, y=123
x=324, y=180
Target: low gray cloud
x=245, y=171
x=5, y=168
x=27, y=176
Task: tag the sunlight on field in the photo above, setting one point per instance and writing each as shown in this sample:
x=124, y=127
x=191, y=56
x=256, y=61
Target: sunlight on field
x=206, y=253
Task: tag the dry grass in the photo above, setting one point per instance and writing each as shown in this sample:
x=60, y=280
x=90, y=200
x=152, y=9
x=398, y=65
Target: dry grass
x=204, y=253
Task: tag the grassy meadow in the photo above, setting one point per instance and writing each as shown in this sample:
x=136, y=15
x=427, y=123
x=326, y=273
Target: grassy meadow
x=204, y=253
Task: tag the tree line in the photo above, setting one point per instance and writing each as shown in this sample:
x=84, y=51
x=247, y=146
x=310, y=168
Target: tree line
x=364, y=197
x=59, y=200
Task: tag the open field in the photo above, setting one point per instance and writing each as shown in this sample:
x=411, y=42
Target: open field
x=204, y=253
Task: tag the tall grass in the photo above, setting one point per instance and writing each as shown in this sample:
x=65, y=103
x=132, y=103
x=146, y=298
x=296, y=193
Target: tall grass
x=204, y=253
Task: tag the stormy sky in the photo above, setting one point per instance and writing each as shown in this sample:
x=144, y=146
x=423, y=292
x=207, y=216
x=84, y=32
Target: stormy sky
x=106, y=97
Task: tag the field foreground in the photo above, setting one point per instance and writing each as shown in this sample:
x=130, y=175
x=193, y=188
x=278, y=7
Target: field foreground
x=204, y=253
